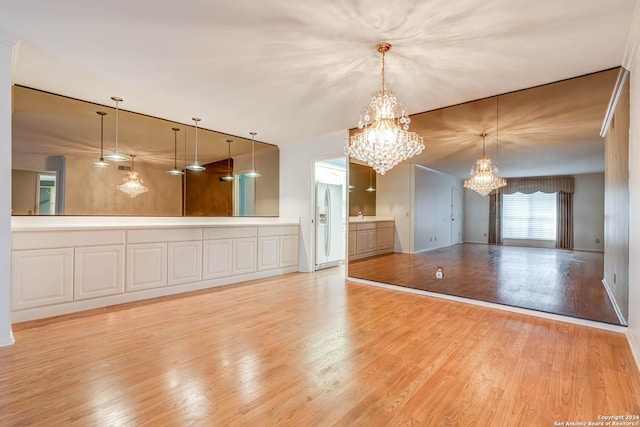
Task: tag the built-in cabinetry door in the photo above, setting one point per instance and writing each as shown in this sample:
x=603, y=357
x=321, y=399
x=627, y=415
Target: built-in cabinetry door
x=244, y=255
x=384, y=238
x=289, y=250
x=353, y=248
x=185, y=262
x=371, y=240
x=268, y=252
x=362, y=241
x=98, y=271
x=41, y=277
x=146, y=266
x=217, y=258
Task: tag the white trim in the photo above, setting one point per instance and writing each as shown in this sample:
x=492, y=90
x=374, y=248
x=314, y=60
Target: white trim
x=635, y=350
x=614, y=302
x=8, y=39
x=551, y=316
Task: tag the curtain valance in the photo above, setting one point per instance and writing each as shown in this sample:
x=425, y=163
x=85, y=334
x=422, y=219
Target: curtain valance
x=545, y=184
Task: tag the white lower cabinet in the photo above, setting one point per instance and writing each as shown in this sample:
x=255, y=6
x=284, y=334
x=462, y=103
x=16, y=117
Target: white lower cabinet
x=217, y=257
x=268, y=252
x=98, y=271
x=353, y=239
x=185, y=262
x=146, y=266
x=244, y=255
x=289, y=250
x=41, y=277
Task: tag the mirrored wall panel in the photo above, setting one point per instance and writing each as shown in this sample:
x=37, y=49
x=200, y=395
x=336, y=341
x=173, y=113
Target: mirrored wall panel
x=56, y=151
x=552, y=239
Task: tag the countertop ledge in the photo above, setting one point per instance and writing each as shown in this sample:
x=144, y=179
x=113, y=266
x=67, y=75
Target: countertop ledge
x=356, y=220
x=41, y=223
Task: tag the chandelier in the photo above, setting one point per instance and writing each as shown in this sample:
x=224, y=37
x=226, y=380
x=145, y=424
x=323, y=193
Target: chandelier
x=385, y=139
x=132, y=184
x=484, y=175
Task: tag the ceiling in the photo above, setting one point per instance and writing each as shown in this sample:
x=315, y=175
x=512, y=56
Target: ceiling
x=294, y=70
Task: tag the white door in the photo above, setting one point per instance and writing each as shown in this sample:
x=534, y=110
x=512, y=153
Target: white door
x=456, y=216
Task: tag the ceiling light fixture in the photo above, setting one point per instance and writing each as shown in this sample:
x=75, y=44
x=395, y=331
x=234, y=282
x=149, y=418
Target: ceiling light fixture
x=229, y=175
x=484, y=177
x=196, y=167
x=175, y=170
x=132, y=185
x=385, y=139
x=101, y=163
x=371, y=189
x=253, y=173
x=116, y=156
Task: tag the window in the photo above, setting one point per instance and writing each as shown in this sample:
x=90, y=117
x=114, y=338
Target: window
x=529, y=216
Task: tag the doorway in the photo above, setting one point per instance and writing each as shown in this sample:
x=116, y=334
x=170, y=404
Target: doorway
x=330, y=212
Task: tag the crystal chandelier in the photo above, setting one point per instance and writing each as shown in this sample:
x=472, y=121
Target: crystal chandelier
x=132, y=184
x=385, y=139
x=484, y=173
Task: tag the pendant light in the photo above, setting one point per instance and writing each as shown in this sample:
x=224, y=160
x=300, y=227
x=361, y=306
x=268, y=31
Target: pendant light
x=132, y=185
x=229, y=175
x=175, y=170
x=371, y=189
x=116, y=156
x=101, y=163
x=196, y=166
x=253, y=173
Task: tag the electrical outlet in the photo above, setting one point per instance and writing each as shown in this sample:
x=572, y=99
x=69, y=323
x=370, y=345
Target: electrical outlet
x=439, y=273
x=614, y=279
x=597, y=240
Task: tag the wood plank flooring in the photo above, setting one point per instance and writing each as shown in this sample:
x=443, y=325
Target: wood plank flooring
x=307, y=350
x=550, y=280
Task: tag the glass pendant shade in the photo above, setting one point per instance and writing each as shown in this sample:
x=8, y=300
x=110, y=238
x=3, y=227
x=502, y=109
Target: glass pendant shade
x=229, y=175
x=195, y=166
x=101, y=163
x=116, y=156
x=253, y=173
x=385, y=139
x=132, y=185
x=371, y=189
x=175, y=170
x=484, y=175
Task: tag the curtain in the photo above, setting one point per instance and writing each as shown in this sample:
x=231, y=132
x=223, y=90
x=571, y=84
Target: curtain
x=543, y=184
x=564, y=220
x=495, y=219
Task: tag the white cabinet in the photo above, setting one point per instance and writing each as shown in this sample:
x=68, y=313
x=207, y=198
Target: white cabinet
x=217, y=258
x=98, y=271
x=244, y=255
x=384, y=238
x=41, y=277
x=289, y=250
x=146, y=266
x=268, y=252
x=370, y=238
x=185, y=262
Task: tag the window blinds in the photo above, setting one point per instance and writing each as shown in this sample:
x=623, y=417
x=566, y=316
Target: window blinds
x=529, y=216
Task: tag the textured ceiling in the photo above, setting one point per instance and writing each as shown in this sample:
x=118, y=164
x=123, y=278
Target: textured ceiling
x=292, y=70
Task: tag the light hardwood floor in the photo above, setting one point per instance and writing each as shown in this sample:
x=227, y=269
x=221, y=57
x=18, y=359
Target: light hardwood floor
x=310, y=349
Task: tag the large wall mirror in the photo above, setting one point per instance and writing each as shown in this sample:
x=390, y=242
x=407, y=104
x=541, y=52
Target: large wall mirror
x=57, y=139
x=553, y=240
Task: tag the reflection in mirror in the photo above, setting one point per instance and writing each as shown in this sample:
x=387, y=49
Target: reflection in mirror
x=59, y=136
x=543, y=242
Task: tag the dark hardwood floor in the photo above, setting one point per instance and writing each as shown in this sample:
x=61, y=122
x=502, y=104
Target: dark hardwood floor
x=550, y=280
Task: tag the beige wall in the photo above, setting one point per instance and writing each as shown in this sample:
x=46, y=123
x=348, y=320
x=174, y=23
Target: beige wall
x=23, y=192
x=92, y=191
x=616, y=204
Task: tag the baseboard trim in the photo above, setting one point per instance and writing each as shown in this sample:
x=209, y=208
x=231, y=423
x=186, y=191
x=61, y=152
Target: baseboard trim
x=10, y=340
x=614, y=302
x=550, y=316
x=635, y=350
